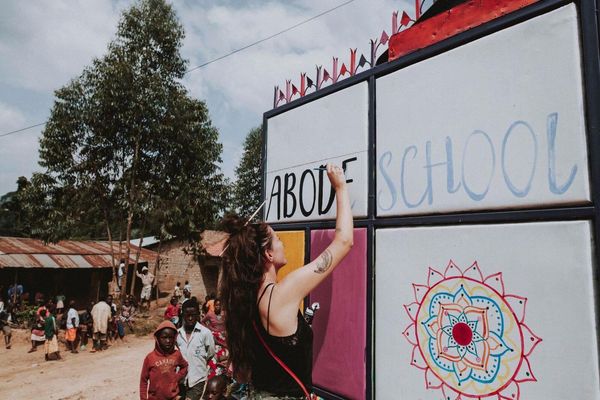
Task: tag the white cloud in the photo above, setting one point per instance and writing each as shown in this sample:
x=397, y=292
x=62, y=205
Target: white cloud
x=46, y=43
x=43, y=44
x=18, y=151
x=245, y=81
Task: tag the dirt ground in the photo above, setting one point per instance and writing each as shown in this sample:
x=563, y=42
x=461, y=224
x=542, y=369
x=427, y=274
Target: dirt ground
x=108, y=375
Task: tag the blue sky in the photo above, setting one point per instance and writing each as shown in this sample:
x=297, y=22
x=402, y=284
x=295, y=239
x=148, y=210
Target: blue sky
x=44, y=44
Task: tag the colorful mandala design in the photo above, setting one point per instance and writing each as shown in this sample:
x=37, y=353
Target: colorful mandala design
x=468, y=336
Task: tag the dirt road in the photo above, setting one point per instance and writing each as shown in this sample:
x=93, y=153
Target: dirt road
x=108, y=375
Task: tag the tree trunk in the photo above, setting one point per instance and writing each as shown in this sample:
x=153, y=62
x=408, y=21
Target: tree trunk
x=110, y=243
x=139, y=249
x=157, y=268
x=130, y=206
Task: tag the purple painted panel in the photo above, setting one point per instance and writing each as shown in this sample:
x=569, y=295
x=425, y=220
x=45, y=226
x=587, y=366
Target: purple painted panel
x=340, y=324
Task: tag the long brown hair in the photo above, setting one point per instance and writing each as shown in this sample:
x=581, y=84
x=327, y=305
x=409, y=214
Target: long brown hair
x=242, y=275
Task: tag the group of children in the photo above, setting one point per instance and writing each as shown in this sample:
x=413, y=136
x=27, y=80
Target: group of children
x=79, y=326
x=177, y=368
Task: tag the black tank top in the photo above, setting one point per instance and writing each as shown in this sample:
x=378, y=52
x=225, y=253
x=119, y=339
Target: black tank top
x=294, y=350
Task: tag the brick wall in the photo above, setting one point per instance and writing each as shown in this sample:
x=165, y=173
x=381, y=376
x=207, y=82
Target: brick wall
x=177, y=266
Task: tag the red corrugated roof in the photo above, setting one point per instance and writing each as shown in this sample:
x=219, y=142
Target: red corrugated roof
x=33, y=253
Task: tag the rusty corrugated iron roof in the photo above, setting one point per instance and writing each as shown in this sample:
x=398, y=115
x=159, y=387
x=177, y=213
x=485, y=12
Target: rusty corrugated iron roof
x=33, y=253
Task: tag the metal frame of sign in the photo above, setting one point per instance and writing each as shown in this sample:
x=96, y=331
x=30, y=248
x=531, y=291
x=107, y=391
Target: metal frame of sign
x=589, y=22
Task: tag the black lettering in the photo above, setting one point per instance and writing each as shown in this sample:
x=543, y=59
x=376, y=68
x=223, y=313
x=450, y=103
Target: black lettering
x=331, y=194
x=303, y=210
x=346, y=162
x=288, y=193
x=276, y=181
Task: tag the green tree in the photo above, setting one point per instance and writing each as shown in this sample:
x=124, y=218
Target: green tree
x=247, y=191
x=125, y=143
x=13, y=220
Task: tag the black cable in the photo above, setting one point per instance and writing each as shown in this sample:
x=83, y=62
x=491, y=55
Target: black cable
x=228, y=54
x=22, y=129
x=270, y=37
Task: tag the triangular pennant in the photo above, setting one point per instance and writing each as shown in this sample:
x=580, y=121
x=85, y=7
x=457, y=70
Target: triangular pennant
x=294, y=89
x=384, y=38
x=325, y=75
x=343, y=70
x=281, y=95
x=309, y=82
x=362, y=61
x=405, y=20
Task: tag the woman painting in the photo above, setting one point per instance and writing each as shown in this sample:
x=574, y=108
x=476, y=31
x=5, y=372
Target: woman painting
x=263, y=313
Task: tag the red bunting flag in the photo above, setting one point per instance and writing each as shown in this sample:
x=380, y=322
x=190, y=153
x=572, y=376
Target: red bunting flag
x=294, y=89
x=384, y=38
x=405, y=20
x=281, y=95
x=325, y=75
x=343, y=70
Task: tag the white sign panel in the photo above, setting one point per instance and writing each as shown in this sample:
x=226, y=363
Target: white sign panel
x=496, y=123
x=333, y=129
x=486, y=312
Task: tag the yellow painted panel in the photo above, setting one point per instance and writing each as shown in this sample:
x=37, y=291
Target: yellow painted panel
x=293, y=243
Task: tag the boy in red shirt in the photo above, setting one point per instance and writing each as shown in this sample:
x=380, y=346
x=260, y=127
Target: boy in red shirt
x=172, y=311
x=164, y=367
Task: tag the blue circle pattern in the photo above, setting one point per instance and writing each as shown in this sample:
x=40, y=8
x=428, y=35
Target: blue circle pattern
x=495, y=327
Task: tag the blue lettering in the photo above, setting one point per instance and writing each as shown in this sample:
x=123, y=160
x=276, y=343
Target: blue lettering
x=402, y=190
x=384, y=161
x=471, y=193
x=511, y=186
x=551, y=134
x=450, y=171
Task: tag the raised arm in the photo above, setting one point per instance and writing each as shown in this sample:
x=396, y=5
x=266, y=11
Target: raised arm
x=295, y=286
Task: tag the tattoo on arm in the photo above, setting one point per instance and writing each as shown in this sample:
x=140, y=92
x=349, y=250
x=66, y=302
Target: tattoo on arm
x=324, y=262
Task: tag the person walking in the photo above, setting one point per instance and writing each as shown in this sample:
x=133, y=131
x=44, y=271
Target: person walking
x=147, y=279
x=263, y=319
x=72, y=327
x=120, y=274
x=198, y=347
x=164, y=367
x=50, y=331
x=5, y=326
x=101, y=314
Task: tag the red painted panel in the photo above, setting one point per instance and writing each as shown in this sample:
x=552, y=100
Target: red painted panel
x=340, y=324
x=449, y=23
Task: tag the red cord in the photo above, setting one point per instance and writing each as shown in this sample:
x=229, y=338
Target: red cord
x=280, y=362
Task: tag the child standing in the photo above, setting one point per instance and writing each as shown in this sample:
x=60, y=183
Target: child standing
x=177, y=291
x=172, y=311
x=4, y=325
x=164, y=367
x=50, y=332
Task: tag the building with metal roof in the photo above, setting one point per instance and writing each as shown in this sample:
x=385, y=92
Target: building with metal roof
x=77, y=269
